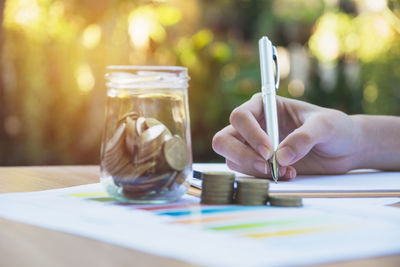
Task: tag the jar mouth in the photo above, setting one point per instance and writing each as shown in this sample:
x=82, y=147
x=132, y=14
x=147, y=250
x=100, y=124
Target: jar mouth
x=134, y=77
x=138, y=67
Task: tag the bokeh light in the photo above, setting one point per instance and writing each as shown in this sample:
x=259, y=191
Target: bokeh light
x=325, y=43
x=84, y=78
x=91, y=36
x=27, y=12
x=370, y=93
x=296, y=88
x=284, y=62
x=141, y=22
x=54, y=54
x=376, y=5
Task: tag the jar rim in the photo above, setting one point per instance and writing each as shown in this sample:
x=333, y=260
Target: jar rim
x=136, y=77
x=145, y=67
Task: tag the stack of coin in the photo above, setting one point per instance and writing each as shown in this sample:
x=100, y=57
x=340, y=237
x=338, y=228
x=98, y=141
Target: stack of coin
x=252, y=191
x=143, y=156
x=285, y=201
x=217, y=188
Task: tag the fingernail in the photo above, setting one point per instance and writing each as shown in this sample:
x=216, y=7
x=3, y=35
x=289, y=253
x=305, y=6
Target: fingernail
x=282, y=171
x=285, y=155
x=261, y=166
x=291, y=174
x=264, y=151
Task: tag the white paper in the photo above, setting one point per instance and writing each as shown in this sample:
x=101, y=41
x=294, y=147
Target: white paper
x=360, y=181
x=324, y=230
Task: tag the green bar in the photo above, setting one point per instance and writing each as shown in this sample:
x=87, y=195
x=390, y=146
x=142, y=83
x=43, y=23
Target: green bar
x=102, y=199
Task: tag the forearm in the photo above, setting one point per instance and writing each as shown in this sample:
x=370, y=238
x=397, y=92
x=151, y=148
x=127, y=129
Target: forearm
x=378, y=142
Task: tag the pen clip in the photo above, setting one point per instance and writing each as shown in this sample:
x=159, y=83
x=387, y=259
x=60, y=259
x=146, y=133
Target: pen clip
x=275, y=58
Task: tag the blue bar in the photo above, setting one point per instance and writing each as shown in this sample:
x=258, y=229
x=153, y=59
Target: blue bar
x=208, y=210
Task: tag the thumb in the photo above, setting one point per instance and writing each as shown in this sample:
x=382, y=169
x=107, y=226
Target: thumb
x=299, y=142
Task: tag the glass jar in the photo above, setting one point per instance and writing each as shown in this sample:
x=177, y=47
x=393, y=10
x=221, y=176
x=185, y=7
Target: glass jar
x=146, y=154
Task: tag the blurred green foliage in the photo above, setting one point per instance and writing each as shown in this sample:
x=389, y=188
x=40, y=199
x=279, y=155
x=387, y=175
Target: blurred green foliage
x=334, y=53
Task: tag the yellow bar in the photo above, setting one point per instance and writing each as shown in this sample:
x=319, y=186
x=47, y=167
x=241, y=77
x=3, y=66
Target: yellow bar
x=286, y=233
x=89, y=194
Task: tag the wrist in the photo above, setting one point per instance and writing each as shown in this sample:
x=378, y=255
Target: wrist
x=363, y=149
x=377, y=145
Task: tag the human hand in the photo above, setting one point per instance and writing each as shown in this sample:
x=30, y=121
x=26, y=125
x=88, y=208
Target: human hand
x=313, y=140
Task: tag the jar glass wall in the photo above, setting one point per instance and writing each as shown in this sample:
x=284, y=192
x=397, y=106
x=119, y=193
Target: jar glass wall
x=146, y=152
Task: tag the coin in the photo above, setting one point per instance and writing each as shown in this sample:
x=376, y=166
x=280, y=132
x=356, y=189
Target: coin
x=285, y=201
x=136, y=192
x=214, y=175
x=249, y=197
x=245, y=198
x=133, y=115
x=220, y=195
x=131, y=135
x=152, y=134
x=253, y=203
x=150, y=142
x=253, y=182
x=144, y=157
x=217, y=188
x=221, y=185
x=152, y=179
x=252, y=191
x=216, y=195
x=116, y=137
x=115, y=157
x=140, y=125
x=151, y=122
x=172, y=179
x=257, y=191
x=129, y=174
x=215, y=201
x=176, y=153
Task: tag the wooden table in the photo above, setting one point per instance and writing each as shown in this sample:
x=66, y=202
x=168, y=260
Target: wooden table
x=26, y=245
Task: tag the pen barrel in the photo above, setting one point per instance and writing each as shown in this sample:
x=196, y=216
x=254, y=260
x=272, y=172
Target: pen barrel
x=271, y=117
x=267, y=64
x=269, y=89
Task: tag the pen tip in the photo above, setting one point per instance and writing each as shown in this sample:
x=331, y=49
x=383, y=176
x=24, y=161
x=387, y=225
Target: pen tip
x=274, y=170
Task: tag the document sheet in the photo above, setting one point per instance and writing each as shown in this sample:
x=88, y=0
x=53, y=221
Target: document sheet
x=356, y=181
x=324, y=230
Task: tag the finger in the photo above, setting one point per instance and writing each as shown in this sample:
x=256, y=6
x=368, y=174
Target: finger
x=249, y=170
x=289, y=175
x=299, y=142
x=245, y=120
x=285, y=173
x=257, y=167
x=226, y=143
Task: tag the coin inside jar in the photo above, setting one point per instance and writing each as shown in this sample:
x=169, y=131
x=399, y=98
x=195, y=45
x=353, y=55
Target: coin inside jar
x=143, y=156
x=175, y=153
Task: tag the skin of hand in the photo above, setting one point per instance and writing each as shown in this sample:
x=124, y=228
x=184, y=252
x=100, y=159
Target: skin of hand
x=313, y=140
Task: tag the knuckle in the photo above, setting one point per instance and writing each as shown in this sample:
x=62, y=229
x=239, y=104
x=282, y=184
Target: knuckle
x=337, y=117
x=328, y=122
x=255, y=96
x=217, y=141
x=237, y=115
x=234, y=115
x=304, y=138
x=232, y=166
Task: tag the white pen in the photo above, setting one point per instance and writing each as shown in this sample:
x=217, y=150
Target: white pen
x=269, y=85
